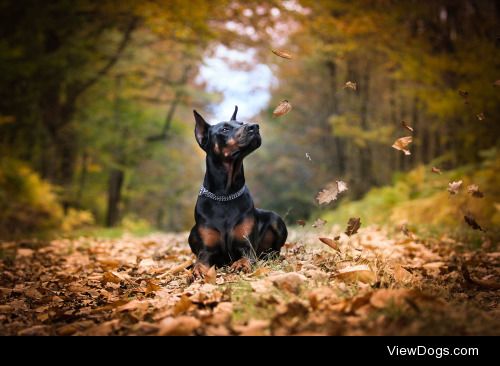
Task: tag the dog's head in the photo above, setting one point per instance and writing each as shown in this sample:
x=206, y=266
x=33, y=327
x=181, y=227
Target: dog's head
x=229, y=140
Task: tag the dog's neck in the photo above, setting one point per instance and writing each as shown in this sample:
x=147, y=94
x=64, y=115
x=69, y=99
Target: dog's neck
x=223, y=177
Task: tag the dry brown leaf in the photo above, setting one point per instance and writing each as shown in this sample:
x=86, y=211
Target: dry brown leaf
x=152, y=286
x=110, y=277
x=496, y=82
x=282, y=53
x=360, y=272
x=319, y=223
x=353, y=226
x=301, y=222
x=331, y=191
x=288, y=281
x=182, y=305
x=134, y=305
x=481, y=116
x=283, y=108
x=350, y=85
x=436, y=170
x=181, y=267
x=489, y=284
x=473, y=189
x=471, y=221
x=180, y=326
x=210, y=276
x=260, y=272
x=24, y=252
x=33, y=293
x=331, y=243
x=103, y=329
x=402, y=275
x=402, y=143
x=253, y=328
x=454, y=187
x=405, y=125
x=388, y=297
x=6, y=308
x=261, y=286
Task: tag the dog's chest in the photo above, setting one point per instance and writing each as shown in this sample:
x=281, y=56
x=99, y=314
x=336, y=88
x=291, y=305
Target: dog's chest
x=236, y=217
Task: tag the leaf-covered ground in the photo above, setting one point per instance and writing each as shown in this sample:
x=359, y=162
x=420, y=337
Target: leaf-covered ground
x=375, y=284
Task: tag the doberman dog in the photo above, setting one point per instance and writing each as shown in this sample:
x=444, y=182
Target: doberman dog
x=229, y=230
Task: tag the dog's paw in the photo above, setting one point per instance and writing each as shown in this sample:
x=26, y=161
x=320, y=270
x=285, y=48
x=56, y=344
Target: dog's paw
x=200, y=270
x=241, y=265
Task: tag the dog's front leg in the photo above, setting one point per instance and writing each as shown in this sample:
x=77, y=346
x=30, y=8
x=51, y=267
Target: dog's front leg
x=203, y=263
x=247, y=257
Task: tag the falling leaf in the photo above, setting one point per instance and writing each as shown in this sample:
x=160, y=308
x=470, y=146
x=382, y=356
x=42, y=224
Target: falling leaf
x=319, y=223
x=331, y=192
x=301, y=222
x=402, y=144
x=405, y=125
x=436, y=170
x=361, y=273
x=497, y=82
x=283, y=108
x=331, y=243
x=7, y=119
x=406, y=231
x=282, y=53
x=473, y=189
x=480, y=116
x=464, y=94
x=308, y=156
x=210, y=276
x=469, y=219
x=353, y=226
x=454, y=187
x=489, y=284
x=351, y=85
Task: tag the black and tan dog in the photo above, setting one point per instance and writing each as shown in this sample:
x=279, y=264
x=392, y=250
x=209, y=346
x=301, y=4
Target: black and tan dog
x=229, y=230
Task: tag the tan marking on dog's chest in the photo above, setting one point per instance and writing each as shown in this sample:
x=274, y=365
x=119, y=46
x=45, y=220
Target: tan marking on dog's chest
x=243, y=230
x=210, y=237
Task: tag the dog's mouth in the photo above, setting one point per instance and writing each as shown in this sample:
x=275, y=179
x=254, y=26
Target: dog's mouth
x=249, y=138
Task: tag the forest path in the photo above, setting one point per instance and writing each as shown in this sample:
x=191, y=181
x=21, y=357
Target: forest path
x=375, y=283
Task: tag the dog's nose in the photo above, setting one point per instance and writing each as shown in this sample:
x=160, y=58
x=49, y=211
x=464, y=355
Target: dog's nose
x=254, y=127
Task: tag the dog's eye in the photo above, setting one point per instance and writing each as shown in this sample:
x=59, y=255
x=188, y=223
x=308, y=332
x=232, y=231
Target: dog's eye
x=225, y=129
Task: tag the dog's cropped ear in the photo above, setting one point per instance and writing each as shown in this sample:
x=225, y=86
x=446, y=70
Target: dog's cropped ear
x=233, y=118
x=201, y=130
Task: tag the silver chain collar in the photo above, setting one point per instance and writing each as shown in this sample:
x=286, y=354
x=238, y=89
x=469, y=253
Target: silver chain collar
x=205, y=192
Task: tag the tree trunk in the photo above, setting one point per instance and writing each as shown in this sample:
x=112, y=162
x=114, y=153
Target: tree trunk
x=83, y=179
x=115, y=184
x=366, y=153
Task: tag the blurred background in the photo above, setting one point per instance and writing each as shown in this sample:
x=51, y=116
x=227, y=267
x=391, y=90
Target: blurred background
x=96, y=100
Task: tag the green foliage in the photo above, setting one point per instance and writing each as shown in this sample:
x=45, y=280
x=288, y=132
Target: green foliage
x=28, y=204
x=420, y=198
